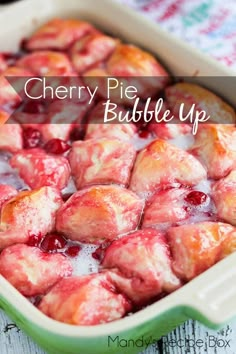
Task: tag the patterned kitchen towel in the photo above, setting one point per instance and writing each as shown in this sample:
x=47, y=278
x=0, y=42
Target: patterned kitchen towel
x=209, y=25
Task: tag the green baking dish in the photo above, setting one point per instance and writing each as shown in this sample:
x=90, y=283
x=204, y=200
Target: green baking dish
x=210, y=298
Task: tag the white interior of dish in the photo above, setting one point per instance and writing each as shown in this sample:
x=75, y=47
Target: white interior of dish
x=18, y=21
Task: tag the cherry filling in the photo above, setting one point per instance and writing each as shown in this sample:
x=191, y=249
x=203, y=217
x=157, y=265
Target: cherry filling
x=77, y=134
x=33, y=107
x=196, y=198
x=34, y=240
x=144, y=134
x=56, y=146
x=100, y=251
x=31, y=138
x=53, y=242
x=73, y=251
x=11, y=58
x=66, y=196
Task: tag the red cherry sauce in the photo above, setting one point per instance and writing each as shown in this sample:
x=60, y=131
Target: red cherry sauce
x=31, y=138
x=73, y=251
x=56, y=146
x=53, y=242
x=196, y=198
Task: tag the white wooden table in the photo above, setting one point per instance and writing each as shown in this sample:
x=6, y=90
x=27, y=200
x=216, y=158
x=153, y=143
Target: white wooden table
x=14, y=341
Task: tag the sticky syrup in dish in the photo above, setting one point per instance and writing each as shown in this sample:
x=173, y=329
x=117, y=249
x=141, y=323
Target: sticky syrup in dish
x=87, y=259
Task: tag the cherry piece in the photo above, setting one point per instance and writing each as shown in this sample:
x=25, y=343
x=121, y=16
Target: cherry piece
x=97, y=254
x=11, y=58
x=33, y=107
x=34, y=240
x=100, y=251
x=56, y=146
x=31, y=138
x=143, y=134
x=73, y=251
x=53, y=242
x=196, y=198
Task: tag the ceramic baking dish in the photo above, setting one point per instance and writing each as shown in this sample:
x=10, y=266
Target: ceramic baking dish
x=210, y=298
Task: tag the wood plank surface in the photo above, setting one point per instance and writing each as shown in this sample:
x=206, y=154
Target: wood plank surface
x=189, y=336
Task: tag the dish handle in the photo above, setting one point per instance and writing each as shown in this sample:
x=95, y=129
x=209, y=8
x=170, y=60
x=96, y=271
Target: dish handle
x=211, y=298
